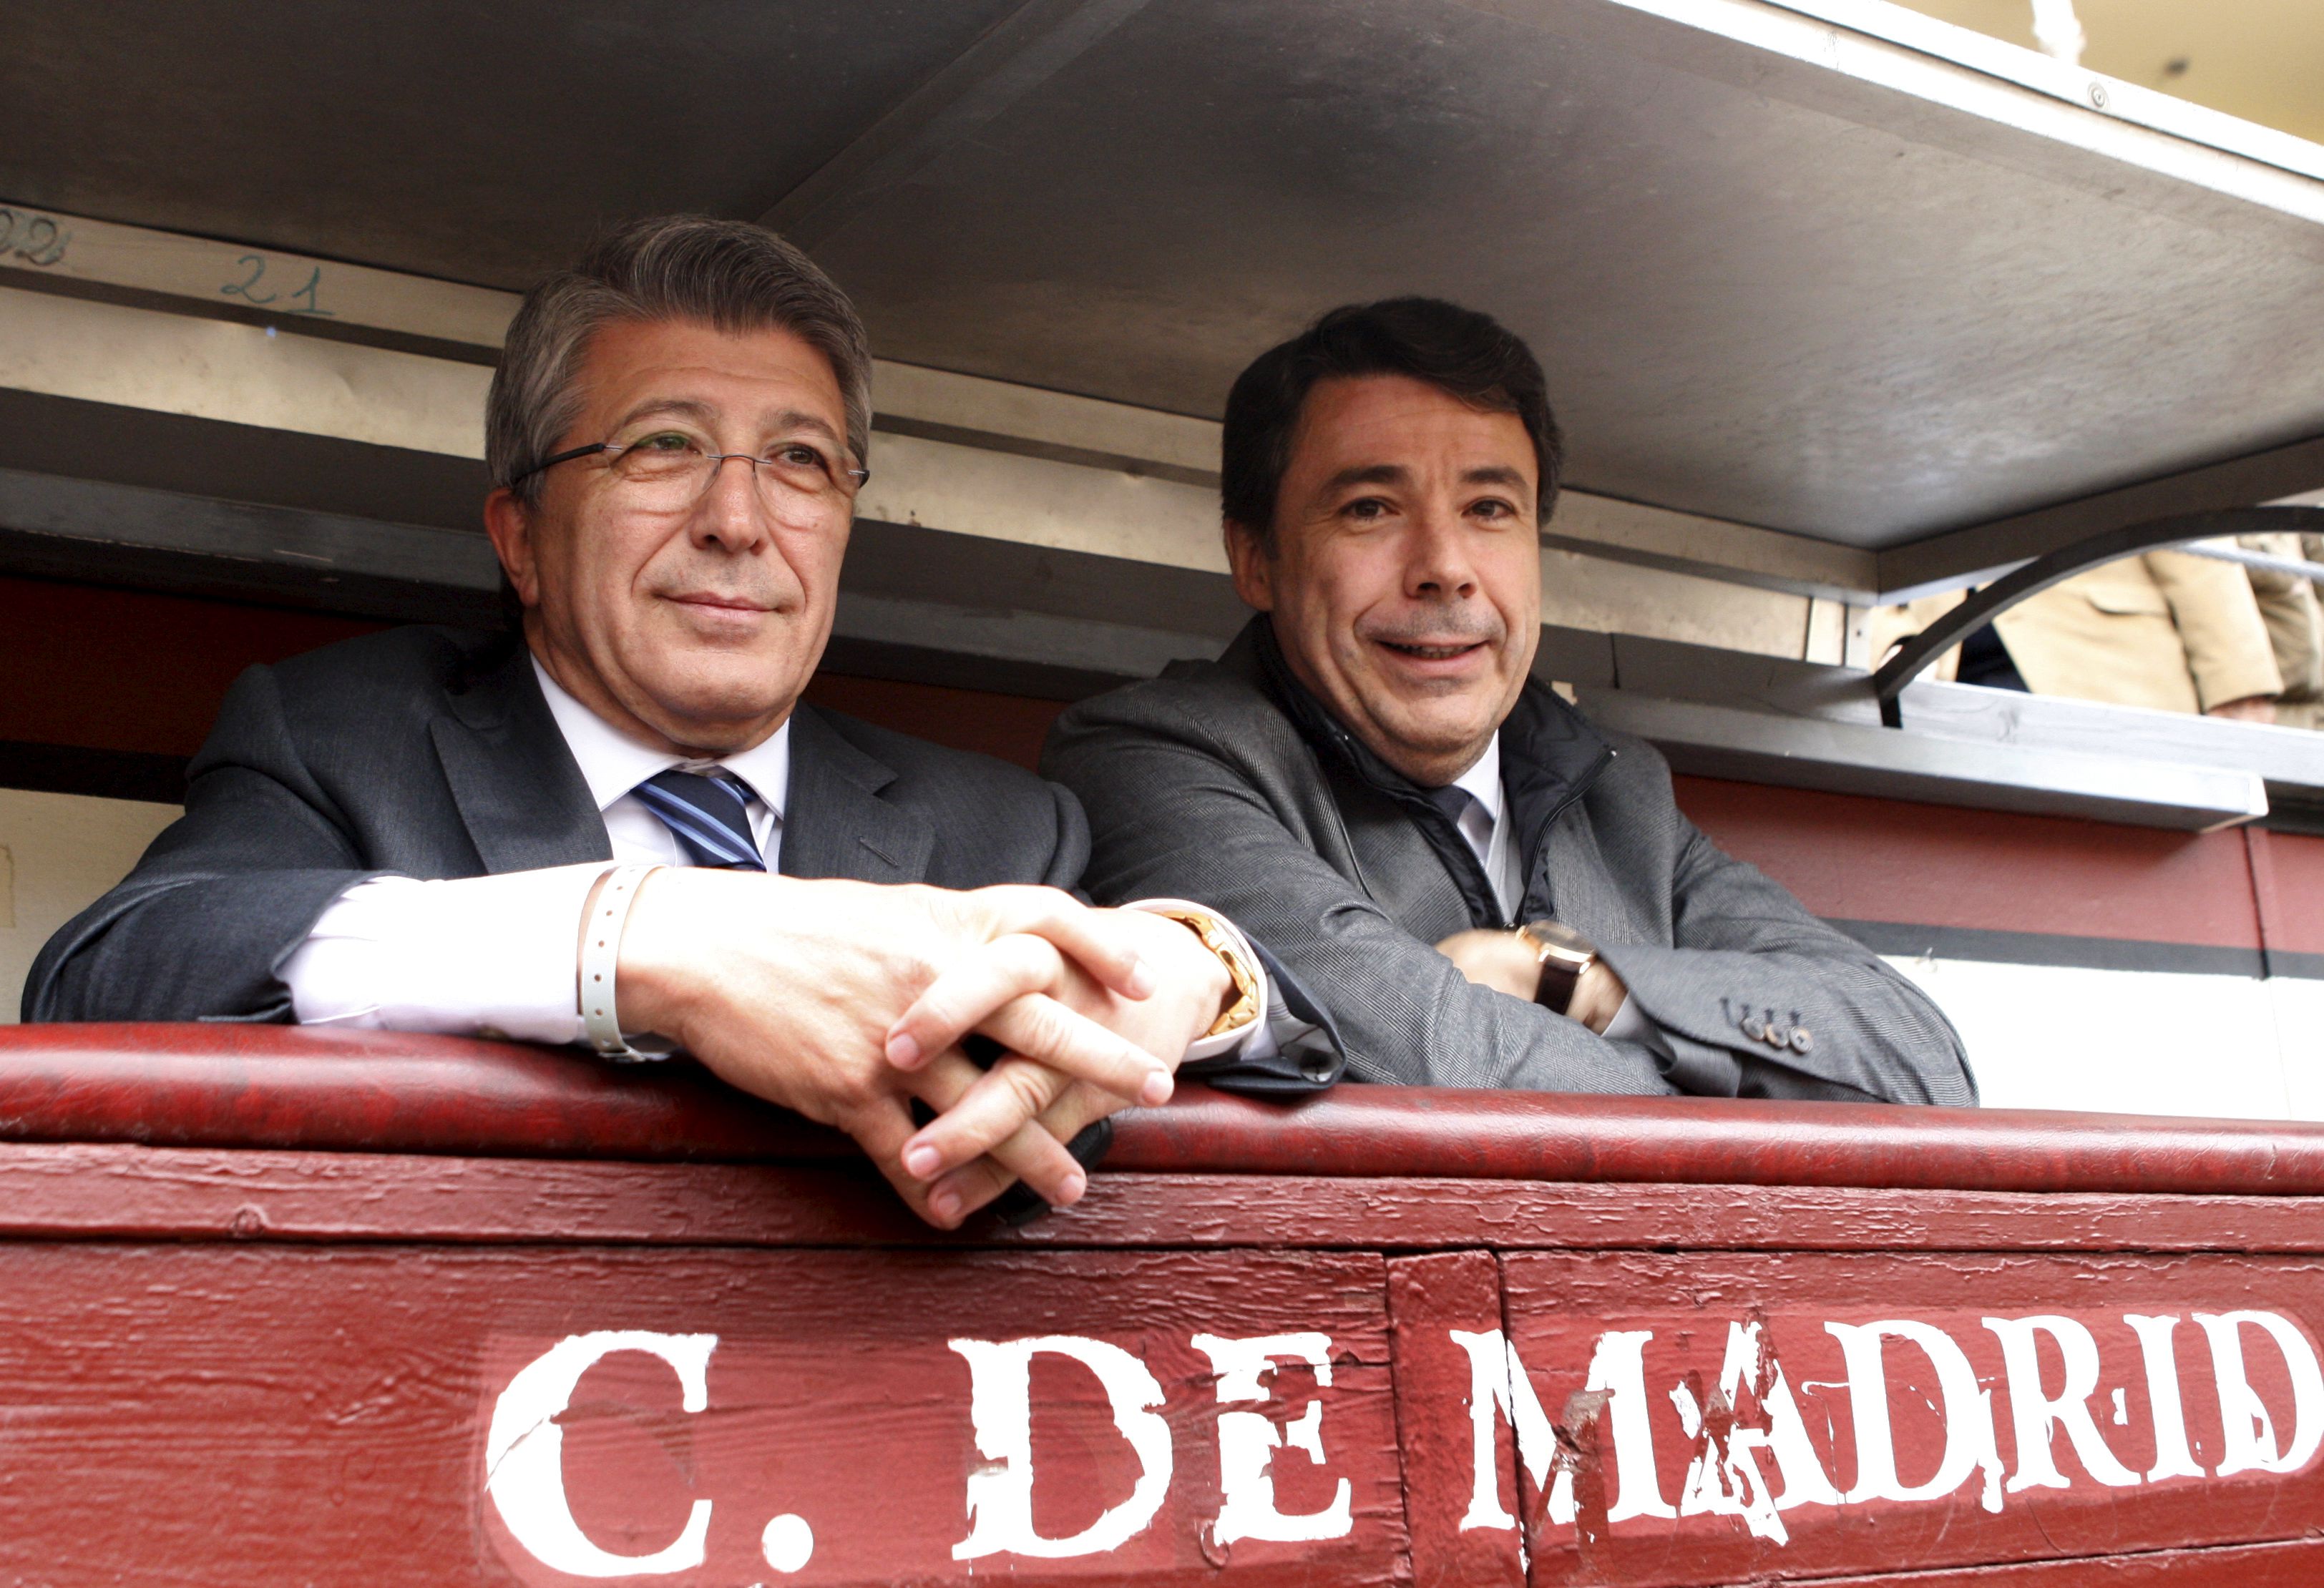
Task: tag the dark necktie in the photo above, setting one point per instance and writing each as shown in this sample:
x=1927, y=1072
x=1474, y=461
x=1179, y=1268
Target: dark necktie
x=1452, y=801
x=709, y=816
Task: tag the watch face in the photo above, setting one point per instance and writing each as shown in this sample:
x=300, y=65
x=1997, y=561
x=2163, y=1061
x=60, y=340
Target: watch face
x=1556, y=934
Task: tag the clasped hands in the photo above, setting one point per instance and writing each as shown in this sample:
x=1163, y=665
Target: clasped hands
x=845, y=1001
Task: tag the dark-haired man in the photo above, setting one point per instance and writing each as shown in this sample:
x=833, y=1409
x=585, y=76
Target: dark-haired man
x=621, y=820
x=1486, y=889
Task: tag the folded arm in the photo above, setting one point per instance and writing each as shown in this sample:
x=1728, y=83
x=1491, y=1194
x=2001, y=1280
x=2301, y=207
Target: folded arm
x=1407, y=1013
x=1404, y=1012
x=1758, y=998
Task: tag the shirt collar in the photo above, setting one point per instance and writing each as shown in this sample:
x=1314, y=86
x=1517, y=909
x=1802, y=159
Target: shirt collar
x=613, y=763
x=1483, y=780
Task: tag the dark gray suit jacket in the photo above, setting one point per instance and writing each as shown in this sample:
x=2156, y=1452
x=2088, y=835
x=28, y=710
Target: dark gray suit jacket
x=1200, y=784
x=430, y=753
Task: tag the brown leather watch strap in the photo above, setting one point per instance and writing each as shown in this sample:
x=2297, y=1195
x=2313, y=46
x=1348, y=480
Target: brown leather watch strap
x=1565, y=957
x=1555, y=991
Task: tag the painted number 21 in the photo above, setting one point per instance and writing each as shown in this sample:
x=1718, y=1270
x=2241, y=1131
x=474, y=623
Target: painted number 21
x=301, y=302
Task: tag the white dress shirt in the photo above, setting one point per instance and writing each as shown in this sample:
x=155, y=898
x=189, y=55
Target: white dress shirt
x=1485, y=827
x=494, y=955
x=613, y=763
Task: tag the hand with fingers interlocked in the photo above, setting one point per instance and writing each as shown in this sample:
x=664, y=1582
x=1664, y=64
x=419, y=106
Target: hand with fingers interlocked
x=845, y=1001
x=1007, y=1123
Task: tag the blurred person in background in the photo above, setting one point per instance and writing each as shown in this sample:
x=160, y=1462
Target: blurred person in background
x=2295, y=625
x=2167, y=630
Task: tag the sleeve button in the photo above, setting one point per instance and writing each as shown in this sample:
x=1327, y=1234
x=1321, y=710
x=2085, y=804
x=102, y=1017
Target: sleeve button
x=1755, y=1028
x=1802, y=1042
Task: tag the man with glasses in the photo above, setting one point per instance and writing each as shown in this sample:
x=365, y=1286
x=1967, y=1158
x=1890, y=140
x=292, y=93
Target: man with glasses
x=617, y=825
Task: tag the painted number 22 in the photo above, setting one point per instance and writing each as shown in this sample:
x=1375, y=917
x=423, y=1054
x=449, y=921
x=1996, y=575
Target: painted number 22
x=35, y=239
x=301, y=302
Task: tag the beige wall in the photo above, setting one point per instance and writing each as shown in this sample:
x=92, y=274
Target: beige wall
x=60, y=851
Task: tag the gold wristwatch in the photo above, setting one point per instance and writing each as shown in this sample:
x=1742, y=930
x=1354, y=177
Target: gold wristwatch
x=1566, y=955
x=1215, y=938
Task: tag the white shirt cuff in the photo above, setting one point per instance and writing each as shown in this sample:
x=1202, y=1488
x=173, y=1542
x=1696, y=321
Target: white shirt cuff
x=484, y=956
x=1630, y=1024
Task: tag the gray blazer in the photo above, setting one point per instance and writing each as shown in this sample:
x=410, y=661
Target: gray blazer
x=1200, y=784
x=430, y=753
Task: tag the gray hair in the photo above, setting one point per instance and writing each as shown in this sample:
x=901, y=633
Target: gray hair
x=729, y=274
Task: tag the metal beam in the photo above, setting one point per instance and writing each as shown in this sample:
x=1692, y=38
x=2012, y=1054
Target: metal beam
x=2291, y=761
x=1020, y=54
x=935, y=607
x=1981, y=552
x=243, y=374
x=131, y=535
x=1844, y=757
x=144, y=359
x=57, y=250
x=160, y=339
x=1687, y=542
x=938, y=405
x=2297, y=567
x=1851, y=45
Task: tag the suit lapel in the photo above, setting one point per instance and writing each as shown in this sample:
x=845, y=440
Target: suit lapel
x=1395, y=863
x=1550, y=757
x=516, y=785
x=835, y=823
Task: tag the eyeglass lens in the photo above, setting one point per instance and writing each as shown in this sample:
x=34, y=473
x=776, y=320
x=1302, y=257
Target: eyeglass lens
x=676, y=470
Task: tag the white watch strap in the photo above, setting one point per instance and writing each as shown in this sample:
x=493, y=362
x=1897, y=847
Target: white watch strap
x=601, y=952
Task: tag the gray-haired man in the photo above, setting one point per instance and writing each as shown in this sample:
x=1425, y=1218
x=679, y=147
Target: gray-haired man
x=416, y=830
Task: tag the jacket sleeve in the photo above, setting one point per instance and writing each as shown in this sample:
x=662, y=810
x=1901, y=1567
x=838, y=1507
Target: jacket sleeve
x=1170, y=813
x=1307, y=1055
x=2287, y=606
x=2218, y=619
x=1069, y=856
x=1309, y=1063
x=198, y=930
x=1757, y=998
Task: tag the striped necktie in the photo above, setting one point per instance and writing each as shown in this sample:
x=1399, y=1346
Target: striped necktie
x=709, y=816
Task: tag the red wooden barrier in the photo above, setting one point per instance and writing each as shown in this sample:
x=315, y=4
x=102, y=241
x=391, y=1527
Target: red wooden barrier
x=291, y=1308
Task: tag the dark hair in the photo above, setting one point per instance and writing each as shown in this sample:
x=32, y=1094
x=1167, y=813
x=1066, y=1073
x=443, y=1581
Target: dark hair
x=1469, y=355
